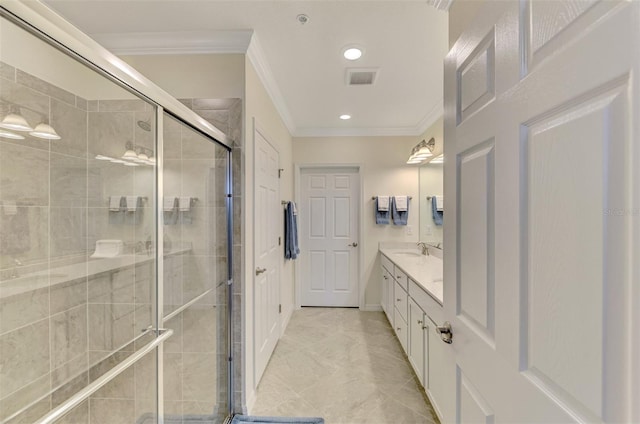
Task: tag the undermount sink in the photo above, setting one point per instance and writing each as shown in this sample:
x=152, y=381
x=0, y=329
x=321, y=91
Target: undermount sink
x=410, y=254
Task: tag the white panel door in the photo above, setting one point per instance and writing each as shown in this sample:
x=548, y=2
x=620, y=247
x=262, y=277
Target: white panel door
x=541, y=167
x=268, y=223
x=328, y=229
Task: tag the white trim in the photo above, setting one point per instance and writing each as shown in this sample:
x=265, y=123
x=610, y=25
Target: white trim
x=261, y=65
x=284, y=321
x=436, y=113
x=297, y=196
x=251, y=401
x=182, y=42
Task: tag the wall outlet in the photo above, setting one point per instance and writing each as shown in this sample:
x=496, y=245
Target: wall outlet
x=409, y=230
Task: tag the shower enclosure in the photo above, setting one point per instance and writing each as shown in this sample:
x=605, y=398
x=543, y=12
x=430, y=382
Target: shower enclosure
x=114, y=238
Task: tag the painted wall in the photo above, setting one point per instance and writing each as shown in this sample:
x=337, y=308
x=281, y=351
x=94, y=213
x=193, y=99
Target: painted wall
x=259, y=107
x=198, y=76
x=384, y=171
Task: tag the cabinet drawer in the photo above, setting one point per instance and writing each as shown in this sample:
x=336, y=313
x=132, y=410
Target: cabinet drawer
x=400, y=300
x=426, y=302
x=386, y=263
x=400, y=328
x=401, y=278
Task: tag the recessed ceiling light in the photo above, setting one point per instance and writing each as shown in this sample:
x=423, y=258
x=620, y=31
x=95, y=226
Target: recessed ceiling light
x=345, y=117
x=352, y=53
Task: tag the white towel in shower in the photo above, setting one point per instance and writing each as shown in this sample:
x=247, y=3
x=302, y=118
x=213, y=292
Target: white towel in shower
x=184, y=204
x=132, y=203
x=402, y=203
x=383, y=203
x=169, y=204
x=114, y=203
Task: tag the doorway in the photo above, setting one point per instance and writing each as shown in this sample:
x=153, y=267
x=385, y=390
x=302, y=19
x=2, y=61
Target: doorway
x=329, y=236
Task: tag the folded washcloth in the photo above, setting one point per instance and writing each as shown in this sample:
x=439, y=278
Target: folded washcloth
x=184, y=204
x=10, y=208
x=115, y=203
x=383, y=203
x=132, y=203
x=169, y=204
x=440, y=200
x=402, y=203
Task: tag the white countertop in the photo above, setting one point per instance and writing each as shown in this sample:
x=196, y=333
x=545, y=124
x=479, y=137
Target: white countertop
x=426, y=271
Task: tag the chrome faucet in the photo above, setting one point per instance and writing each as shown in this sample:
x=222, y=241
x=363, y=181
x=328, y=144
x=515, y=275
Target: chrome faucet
x=423, y=245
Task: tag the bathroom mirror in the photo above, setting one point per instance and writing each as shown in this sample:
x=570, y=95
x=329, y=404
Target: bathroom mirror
x=431, y=184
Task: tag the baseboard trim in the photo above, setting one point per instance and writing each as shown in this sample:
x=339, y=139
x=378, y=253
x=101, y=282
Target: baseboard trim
x=372, y=307
x=251, y=401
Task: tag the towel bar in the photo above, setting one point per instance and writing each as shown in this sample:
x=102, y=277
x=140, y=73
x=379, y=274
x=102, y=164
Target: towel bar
x=375, y=197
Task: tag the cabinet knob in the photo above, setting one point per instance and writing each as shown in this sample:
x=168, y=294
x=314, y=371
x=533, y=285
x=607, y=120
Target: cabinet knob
x=399, y=300
x=398, y=328
x=419, y=321
x=260, y=270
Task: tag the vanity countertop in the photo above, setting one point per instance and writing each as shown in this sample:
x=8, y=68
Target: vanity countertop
x=426, y=271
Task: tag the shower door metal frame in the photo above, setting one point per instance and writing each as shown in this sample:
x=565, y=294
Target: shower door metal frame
x=40, y=21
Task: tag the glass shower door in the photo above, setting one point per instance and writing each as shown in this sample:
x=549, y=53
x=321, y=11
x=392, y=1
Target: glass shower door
x=113, y=269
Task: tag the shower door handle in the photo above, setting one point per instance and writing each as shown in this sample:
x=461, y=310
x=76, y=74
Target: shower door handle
x=260, y=270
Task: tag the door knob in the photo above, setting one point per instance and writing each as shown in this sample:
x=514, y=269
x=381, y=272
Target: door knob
x=260, y=270
x=354, y=244
x=445, y=332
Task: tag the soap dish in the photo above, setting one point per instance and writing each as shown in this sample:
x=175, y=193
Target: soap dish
x=108, y=249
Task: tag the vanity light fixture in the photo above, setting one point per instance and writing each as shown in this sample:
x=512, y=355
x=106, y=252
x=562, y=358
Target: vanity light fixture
x=422, y=151
x=352, y=52
x=345, y=117
x=46, y=131
x=16, y=122
x=438, y=159
x=137, y=155
x=10, y=135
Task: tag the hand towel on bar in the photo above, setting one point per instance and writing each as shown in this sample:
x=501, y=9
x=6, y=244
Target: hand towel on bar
x=437, y=215
x=170, y=210
x=184, y=205
x=133, y=202
x=399, y=217
x=383, y=203
x=291, y=249
x=382, y=217
x=402, y=203
x=440, y=200
x=295, y=208
x=114, y=203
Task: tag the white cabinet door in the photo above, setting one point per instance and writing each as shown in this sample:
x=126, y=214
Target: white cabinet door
x=416, y=352
x=385, y=290
x=435, y=383
x=390, y=299
x=542, y=177
x=400, y=326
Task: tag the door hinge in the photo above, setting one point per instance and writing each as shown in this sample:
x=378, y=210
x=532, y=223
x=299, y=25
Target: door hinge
x=279, y=241
x=280, y=171
x=280, y=308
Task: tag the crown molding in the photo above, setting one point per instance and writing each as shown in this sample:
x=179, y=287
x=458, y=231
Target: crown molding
x=185, y=42
x=261, y=65
x=437, y=111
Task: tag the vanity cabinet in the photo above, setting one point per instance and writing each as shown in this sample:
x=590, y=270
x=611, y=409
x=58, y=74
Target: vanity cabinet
x=418, y=341
x=413, y=313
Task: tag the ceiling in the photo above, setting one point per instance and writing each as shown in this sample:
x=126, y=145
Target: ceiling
x=303, y=64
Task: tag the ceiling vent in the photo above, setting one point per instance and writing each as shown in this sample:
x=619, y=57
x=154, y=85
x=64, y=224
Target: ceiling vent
x=361, y=76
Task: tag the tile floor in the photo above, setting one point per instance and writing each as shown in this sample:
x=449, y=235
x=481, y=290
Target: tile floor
x=343, y=365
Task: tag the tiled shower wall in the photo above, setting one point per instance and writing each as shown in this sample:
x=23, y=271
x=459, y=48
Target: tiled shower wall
x=65, y=332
